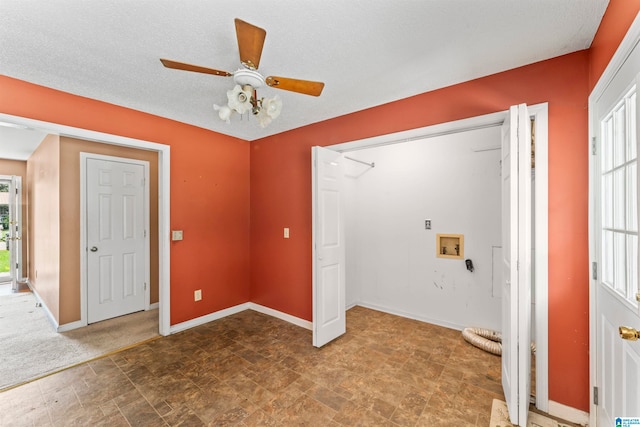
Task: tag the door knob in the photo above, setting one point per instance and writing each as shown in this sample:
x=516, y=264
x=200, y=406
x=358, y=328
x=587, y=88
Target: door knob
x=93, y=249
x=627, y=333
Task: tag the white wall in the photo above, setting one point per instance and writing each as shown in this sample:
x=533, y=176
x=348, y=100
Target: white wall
x=391, y=258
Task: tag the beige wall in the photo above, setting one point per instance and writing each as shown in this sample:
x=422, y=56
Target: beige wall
x=70, y=149
x=53, y=176
x=19, y=168
x=43, y=195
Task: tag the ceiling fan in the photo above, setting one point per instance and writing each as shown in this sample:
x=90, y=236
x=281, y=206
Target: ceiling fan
x=243, y=97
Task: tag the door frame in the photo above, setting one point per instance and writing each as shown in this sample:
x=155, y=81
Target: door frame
x=15, y=278
x=629, y=42
x=84, y=281
x=541, y=212
x=164, y=163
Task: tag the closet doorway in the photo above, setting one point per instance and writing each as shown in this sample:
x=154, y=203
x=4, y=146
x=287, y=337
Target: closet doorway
x=341, y=277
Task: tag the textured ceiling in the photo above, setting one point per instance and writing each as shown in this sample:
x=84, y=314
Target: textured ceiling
x=367, y=52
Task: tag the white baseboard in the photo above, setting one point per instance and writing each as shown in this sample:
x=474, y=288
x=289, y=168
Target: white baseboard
x=237, y=309
x=568, y=413
x=153, y=306
x=410, y=315
x=282, y=316
x=70, y=326
x=47, y=312
x=178, y=327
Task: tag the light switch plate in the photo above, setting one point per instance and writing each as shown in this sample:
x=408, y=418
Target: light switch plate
x=286, y=232
x=176, y=235
x=197, y=295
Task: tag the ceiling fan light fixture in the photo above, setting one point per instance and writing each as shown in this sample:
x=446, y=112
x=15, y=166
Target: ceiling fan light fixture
x=224, y=112
x=273, y=106
x=240, y=99
x=245, y=77
x=268, y=110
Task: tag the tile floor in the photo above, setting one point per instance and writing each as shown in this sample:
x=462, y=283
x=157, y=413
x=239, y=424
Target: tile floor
x=250, y=369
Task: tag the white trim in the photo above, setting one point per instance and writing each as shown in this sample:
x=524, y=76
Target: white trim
x=630, y=40
x=617, y=60
x=164, y=171
x=541, y=256
x=18, y=245
x=407, y=315
x=280, y=315
x=183, y=326
x=84, y=156
x=237, y=309
x=463, y=125
x=568, y=413
x=540, y=111
x=153, y=306
x=47, y=312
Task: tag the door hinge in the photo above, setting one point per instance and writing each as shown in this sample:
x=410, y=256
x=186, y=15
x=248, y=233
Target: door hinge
x=595, y=395
x=594, y=150
x=145, y=233
x=145, y=286
x=594, y=270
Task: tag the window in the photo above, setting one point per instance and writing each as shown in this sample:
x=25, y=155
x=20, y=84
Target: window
x=619, y=198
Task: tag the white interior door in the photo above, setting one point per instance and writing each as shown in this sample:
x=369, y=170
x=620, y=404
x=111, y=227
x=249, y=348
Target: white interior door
x=116, y=238
x=328, y=246
x=516, y=265
x=615, y=182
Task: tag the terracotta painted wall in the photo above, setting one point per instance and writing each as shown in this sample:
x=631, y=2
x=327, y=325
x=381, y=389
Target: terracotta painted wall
x=70, y=149
x=614, y=25
x=209, y=191
x=43, y=193
x=19, y=168
x=281, y=197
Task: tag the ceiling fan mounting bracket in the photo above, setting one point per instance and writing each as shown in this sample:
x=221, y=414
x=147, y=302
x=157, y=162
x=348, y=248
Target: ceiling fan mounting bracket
x=249, y=77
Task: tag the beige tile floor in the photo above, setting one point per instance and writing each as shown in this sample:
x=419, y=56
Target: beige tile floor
x=250, y=369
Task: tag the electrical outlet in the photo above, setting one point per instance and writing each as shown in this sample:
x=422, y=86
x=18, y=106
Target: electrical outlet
x=427, y=224
x=286, y=233
x=176, y=235
x=197, y=295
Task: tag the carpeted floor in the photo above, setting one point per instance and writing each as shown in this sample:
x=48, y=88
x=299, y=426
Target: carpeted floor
x=32, y=348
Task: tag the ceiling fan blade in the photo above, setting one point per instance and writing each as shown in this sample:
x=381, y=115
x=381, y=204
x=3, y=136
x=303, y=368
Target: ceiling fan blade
x=195, y=68
x=250, y=43
x=301, y=86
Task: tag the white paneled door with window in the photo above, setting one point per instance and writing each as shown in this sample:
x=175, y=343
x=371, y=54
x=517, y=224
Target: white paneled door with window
x=614, y=211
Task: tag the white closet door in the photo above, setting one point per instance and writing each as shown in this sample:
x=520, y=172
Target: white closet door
x=328, y=247
x=516, y=265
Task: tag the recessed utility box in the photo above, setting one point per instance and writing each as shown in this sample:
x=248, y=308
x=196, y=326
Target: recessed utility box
x=450, y=246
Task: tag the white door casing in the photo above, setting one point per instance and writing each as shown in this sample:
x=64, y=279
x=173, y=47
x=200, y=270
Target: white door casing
x=328, y=243
x=14, y=238
x=516, y=272
x=615, y=363
x=117, y=240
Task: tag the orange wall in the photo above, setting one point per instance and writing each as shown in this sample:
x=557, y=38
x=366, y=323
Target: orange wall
x=614, y=25
x=19, y=168
x=281, y=197
x=209, y=191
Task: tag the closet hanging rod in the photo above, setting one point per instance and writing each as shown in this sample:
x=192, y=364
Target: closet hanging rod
x=372, y=164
